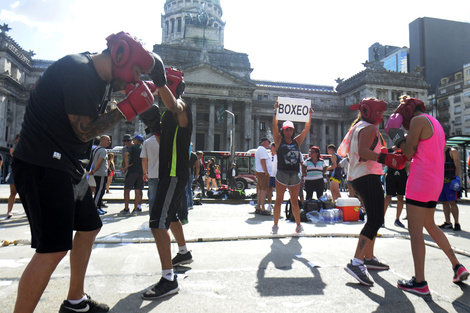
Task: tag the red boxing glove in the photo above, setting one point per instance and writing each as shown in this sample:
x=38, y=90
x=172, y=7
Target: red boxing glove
x=138, y=100
x=383, y=150
x=151, y=85
x=393, y=160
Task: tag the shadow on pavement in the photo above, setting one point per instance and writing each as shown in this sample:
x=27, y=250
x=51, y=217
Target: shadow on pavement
x=283, y=256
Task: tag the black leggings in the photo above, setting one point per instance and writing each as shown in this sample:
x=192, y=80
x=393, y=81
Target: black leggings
x=372, y=194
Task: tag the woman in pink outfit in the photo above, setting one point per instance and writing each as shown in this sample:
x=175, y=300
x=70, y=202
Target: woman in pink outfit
x=424, y=145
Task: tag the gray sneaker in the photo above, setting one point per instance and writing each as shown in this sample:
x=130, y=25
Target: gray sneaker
x=360, y=273
x=275, y=229
x=299, y=229
x=375, y=264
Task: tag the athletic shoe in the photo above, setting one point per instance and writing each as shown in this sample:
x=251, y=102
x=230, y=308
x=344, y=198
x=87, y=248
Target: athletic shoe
x=460, y=273
x=360, y=273
x=398, y=223
x=299, y=229
x=138, y=209
x=457, y=227
x=125, y=212
x=101, y=212
x=87, y=305
x=275, y=229
x=446, y=225
x=412, y=286
x=9, y=216
x=181, y=259
x=270, y=207
x=375, y=264
x=162, y=289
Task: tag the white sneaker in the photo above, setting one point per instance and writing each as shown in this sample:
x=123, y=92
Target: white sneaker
x=299, y=229
x=270, y=208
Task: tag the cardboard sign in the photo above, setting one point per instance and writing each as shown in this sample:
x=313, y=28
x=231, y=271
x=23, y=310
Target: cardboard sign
x=293, y=109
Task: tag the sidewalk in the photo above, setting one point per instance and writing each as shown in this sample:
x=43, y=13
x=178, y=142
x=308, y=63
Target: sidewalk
x=239, y=267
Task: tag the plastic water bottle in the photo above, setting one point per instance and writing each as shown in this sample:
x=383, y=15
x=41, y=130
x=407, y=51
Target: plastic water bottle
x=323, y=198
x=340, y=216
x=315, y=217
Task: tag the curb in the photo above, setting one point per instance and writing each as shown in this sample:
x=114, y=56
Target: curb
x=241, y=238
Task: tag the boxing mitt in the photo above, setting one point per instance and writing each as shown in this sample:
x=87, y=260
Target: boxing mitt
x=394, y=121
x=139, y=100
x=158, y=74
x=151, y=118
x=455, y=183
x=393, y=160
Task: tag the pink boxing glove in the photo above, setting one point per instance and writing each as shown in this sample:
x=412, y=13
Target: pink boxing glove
x=139, y=100
x=394, y=121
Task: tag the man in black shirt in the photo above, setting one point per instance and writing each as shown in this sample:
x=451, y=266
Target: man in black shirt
x=174, y=174
x=64, y=113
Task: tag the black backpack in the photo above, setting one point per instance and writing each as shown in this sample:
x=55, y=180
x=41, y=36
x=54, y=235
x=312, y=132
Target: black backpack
x=307, y=206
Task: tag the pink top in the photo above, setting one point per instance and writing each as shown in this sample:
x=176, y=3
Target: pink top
x=426, y=176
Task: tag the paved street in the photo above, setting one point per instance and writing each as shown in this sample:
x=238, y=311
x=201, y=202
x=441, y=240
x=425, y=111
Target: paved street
x=239, y=267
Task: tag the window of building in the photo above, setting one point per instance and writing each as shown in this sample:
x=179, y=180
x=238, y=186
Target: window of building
x=458, y=86
x=172, y=25
x=457, y=99
x=265, y=97
x=262, y=126
x=458, y=109
x=467, y=130
x=443, y=91
x=458, y=76
x=468, y=72
x=458, y=132
x=444, y=81
x=327, y=130
x=167, y=27
x=178, y=27
x=458, y=120
x=260, y=97
x=466, y=95
x=202, y=117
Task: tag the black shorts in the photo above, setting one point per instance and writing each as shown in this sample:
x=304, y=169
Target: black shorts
x=395, y=184
x=134, y=181
x=169, y=194
x=55, y=206
x=427, y=205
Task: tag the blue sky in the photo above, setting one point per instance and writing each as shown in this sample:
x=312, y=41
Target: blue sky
x=303, y=41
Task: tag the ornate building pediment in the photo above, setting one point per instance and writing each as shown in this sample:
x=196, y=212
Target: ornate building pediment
x=206, y=74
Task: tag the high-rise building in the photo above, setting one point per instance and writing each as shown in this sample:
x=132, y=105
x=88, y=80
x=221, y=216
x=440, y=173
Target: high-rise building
x=440, y=46
x=394, y=59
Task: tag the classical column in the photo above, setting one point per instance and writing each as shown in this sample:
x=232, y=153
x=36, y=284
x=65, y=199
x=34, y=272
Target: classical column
x=230, y=123
x=256, y=131
x=339, y=134
x=3, y=121
x=248, y=131
x=323, y=135
x=194, y=112
x=210, y=131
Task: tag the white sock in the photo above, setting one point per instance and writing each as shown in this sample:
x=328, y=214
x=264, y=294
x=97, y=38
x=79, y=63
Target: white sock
x=168, y=274
x=78, y=301
x=357, y=262
x=182, y=249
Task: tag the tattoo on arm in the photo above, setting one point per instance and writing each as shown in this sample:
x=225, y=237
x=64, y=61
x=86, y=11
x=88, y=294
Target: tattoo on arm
x=87, y=128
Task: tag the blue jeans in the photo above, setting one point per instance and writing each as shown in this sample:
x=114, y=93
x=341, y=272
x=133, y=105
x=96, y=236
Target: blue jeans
x=152, y=191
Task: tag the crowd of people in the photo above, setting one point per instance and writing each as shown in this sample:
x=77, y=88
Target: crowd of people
x=54, y=159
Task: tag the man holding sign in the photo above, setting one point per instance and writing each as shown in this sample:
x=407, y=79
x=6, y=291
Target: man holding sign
x=288, y=152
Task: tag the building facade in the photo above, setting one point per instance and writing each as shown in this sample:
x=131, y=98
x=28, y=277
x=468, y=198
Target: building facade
x=440, y=46
x=452, y=102
x=217, y=80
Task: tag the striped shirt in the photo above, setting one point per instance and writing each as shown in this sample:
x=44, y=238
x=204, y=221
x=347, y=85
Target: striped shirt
x=314, y=171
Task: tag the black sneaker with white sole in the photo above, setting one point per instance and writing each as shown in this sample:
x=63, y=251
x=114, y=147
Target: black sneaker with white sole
x=88, y=305
x=181, y=259
x=164, y=288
